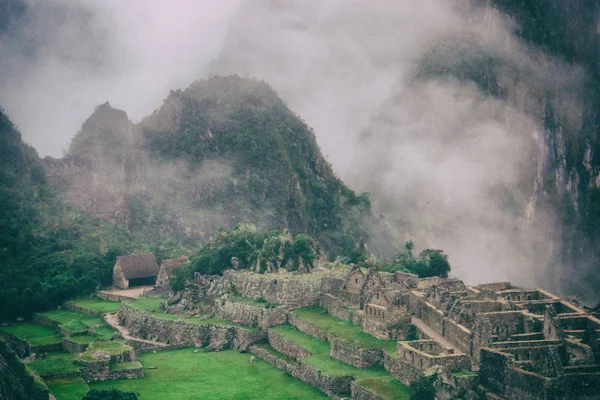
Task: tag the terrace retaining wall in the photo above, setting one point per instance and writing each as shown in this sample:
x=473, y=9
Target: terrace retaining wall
x=333, y=386
x=249, y=314
x=361, y=393
x=307, y=327
x=354, y=355
x=76, y=308
x=286, y=347
x=176, y=332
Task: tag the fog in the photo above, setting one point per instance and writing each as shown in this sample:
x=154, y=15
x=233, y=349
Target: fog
x=384, y=84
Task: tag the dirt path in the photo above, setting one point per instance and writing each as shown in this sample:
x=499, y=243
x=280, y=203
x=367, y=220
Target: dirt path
x=113, y=321
x=131, y=293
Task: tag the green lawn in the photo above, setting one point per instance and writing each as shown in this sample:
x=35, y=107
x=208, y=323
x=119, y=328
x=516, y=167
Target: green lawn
x=55, y=362
x=183, y=374
x=150, y=304
x=345, y=330
x=97, y=305
x=34, y=333
x=68, y=388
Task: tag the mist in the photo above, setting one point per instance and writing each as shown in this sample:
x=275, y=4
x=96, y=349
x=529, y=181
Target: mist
x=383, y=84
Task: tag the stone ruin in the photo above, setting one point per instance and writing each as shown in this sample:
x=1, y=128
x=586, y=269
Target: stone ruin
x=517, y=343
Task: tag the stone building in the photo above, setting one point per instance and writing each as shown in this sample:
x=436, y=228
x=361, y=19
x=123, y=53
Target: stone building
x=136, y=270
x=166, y=269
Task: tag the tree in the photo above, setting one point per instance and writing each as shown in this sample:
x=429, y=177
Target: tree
x=111, y=394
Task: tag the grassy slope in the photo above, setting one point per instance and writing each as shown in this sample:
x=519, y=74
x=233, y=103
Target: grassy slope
x=182, y=374
x=345, y=330
x=74, y=321
x=68, y=388
x=55, y=362
x=34, y=334
x=97, y=305
x=376, y=379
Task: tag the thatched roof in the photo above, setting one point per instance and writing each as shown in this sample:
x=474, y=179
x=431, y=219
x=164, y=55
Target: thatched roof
x=138, y=266
x=172, y=263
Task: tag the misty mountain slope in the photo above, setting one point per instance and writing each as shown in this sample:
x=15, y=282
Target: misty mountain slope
x=223, y=151
x=476, y=122
x=49, y=250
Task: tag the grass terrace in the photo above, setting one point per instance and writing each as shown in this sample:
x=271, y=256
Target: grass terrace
x=73, y=321
x=34, y=333
x=376, y=379
x=96, y=305
x=344, y=330
x=125, y=365
x=113, y=347
x=82, y=339
x=54, y=362
x=183, y=374
x=68, y=388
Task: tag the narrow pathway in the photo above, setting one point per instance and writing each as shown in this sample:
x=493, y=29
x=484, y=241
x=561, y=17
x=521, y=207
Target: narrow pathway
x=113, y=321
x=434, y=335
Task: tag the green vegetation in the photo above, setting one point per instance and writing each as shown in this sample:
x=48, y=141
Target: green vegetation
x=344, y=330
x=376, y=378
x=96, y=305
x=150, y=304
x=110, y=394
x=183, y=374
x=54, y=362
x=67, y=388
x=464, y=372
x=34, y=333
x=429, y=262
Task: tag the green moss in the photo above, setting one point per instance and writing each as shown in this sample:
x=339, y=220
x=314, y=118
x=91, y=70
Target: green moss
x=344, y=330
x=183, y=374
x=55, y=362
x=34, y=333
x=96, y=305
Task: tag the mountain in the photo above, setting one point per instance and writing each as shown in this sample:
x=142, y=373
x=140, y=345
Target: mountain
x=223, y=151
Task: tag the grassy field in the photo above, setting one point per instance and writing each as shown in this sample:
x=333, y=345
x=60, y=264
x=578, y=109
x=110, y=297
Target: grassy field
x=83, y=339
x=68, y=388
x=34, y=333
x=376, y=378
x=344, y=330
x=55, y=362
x=97, y=305
x=183, y=374
x=76, y=322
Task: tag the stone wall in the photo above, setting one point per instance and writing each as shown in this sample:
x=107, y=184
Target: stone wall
x=131, y=373
x=286, y=347
x=73, y=347
x=333, y=386
x=406, y=280
x=307, y=327
x=458, y=335
x=362, y=393
x=285, y=288
x=433, y=317
x=337, y=308
x=46, y=348
x=354, y=355
x=412, y=362
x=145, y=326
x=250, y=314
x=11, y=366
x=17, y=345
x=112, y=296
